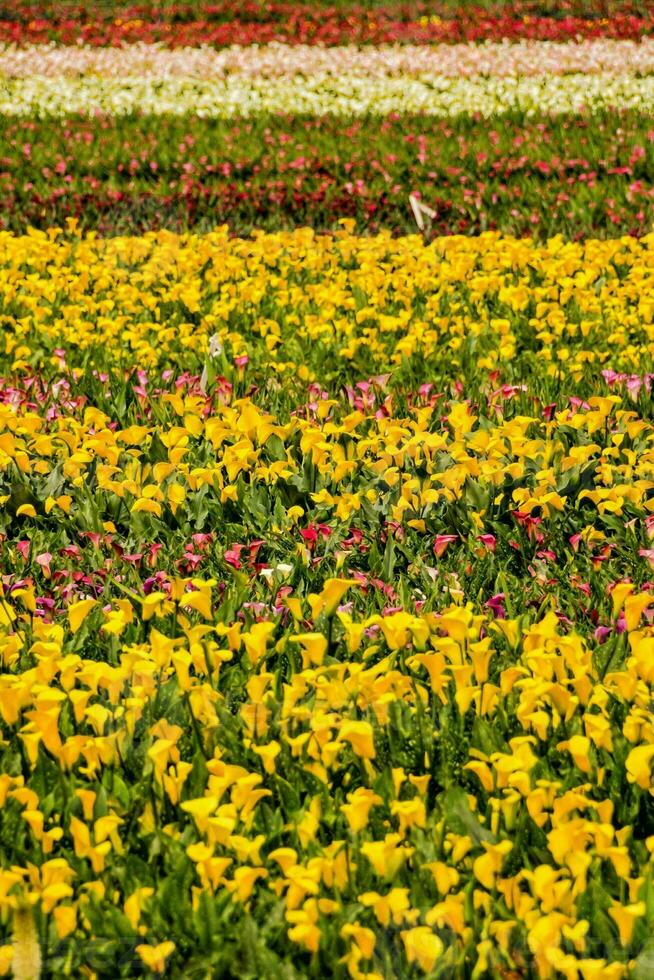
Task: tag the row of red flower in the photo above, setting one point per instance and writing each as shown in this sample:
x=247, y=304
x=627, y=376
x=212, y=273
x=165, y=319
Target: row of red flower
x=590, y=176
x=229, y=22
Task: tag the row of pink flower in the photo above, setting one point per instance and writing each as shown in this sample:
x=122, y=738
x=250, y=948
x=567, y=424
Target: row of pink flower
x=280, y=60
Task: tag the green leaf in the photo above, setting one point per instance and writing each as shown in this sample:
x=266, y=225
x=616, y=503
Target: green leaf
x=460, y=818
x=644, y=965
x=389, y=559
x=486, y=738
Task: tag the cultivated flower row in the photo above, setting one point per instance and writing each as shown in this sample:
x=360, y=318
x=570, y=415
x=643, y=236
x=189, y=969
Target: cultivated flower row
x=345, y=95
x=579, y=175
x=227, y=22
x=326, y=629
x=285, y=61
x=493, y=302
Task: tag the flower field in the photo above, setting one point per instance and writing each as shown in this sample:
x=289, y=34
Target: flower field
x=327, y=490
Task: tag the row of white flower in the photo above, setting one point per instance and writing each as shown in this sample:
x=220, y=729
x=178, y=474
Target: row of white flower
x=347, y=95
x=285, y=61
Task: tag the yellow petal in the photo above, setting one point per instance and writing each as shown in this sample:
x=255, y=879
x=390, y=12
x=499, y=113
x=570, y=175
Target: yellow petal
x=78, y=612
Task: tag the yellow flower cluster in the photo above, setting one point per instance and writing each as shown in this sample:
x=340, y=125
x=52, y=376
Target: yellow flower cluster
x=104, y=478
x=322, y=642
x=316, y=303
x=302, y=809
